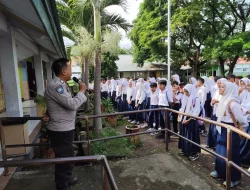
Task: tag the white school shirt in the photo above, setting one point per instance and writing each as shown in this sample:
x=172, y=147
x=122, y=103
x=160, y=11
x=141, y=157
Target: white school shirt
x=238, y=114
x=118, y=91
x=202, y=94
x=142, y=97
x=154, y=98
x=104, y=87
x=178, y=96
x=165, y=97
x=133, y=94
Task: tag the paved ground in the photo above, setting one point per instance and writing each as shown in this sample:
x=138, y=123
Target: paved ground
x=150, y=168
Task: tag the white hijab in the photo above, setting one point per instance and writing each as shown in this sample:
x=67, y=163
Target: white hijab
x=229, y=94
x=176, y=78
x=140, y=89
x=151, y=80
x=187, y=101
x=193, y=81
x=130, y=89
x=246, y=102
x=244, y=92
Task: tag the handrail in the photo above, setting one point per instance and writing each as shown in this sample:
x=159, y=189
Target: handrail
x=80, y=159
x=229, y=128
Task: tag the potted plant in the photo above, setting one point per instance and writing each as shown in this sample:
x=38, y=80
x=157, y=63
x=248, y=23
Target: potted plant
x=133, y=129
x=109, y=108
x=40, y=105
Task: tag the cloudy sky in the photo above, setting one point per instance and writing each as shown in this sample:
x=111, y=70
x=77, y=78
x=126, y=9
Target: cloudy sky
x=130, y=15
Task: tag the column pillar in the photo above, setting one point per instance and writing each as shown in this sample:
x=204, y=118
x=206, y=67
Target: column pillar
x=10, y=76
x=39, y=74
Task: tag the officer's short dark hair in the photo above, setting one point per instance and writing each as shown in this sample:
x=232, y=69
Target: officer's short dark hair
x=163, y=82
x=202, y=80
x=58, y=65
x=153, y=85
x=174, y=83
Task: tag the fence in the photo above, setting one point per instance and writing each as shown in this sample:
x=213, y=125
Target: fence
x=229, y=162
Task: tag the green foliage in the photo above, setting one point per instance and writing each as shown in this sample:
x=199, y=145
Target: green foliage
x=201, y=31
x=109, y=67
x=107, y=103
x=40, y=100
x=115, y=147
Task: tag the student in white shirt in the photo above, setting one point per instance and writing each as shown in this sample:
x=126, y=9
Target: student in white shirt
x=118, y=96
x=245, y=143
x=165, y=99
x=212, y=132
x=131, y=93
x=228, y=91
x=177, y=96
x=139, y=104
x=104, y=89
x=154, y=115
x=189, y=128
x=202, y=94
x=243, y=89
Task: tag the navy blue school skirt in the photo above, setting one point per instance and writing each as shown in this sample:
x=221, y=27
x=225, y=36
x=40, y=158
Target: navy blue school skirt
x=245, y=149
x=191, y=132
x=212, y=133
x=221, y=149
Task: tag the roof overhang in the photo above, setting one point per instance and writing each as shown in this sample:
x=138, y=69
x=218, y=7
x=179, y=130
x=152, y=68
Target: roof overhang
x=37, y=22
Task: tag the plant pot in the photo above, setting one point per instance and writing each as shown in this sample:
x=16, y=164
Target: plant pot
x=133, y=139
x=46, y=151
x=112, y=121
x=40, y=110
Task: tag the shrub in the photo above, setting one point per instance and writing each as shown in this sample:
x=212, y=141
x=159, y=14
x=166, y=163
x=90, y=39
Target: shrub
x=115, y=147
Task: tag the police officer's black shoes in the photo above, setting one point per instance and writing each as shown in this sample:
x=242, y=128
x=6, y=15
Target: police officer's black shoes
x=72, y=181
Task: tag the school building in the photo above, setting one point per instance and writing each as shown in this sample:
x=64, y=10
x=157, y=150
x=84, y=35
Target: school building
x=30, y=40
x=127, y=68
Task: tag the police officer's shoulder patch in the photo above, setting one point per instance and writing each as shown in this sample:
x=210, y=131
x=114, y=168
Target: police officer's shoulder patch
x=60, y=89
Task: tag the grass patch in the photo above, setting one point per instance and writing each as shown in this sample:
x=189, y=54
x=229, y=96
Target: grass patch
x=115, y=147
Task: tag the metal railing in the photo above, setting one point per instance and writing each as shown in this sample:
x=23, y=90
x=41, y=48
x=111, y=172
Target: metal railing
x=230, y=129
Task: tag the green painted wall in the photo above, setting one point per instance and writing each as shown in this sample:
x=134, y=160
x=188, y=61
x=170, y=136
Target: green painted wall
x=21, y=80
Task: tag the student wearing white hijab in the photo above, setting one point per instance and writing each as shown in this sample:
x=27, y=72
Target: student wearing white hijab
x=212, y=132
x=176, y=78
x=245, y=143
x=208, y=87
x=193, y=81
x=189, y=128
x=124, y=85
x=139, y=105
x=243, y=88
x=131, y=93
x=228, y=91
x=118, y=95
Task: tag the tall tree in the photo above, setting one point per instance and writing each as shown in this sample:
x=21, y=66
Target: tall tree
x=92, y=15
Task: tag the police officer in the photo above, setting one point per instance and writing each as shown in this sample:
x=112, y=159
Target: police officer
x=61, y=110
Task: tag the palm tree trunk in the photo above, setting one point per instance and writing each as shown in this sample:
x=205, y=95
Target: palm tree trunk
x=86, y=77
x=83, y=71
x=97, y=66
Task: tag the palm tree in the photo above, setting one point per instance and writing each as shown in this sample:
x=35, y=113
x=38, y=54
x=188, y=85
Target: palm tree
x=92, y=15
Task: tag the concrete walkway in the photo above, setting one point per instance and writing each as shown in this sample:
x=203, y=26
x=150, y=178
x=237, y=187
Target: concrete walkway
x=153, y=172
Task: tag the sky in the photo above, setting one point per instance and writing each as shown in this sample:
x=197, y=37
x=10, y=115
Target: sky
x=130, y=15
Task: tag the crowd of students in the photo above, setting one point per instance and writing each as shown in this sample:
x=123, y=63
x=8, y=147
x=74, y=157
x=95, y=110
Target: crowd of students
x=217, y=98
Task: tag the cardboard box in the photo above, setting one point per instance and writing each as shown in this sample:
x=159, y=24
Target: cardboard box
x=16, y=134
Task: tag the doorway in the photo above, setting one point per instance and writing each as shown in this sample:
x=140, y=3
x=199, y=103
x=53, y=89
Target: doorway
x=31, y=79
